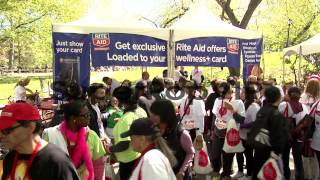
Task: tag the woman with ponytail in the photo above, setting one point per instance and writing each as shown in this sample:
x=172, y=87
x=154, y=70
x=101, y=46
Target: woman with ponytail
x=82, y=144
x=157, y=159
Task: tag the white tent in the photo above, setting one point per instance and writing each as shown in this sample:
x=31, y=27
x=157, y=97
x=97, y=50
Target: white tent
x=307, y=47
x=199, y=21
x=93, y=24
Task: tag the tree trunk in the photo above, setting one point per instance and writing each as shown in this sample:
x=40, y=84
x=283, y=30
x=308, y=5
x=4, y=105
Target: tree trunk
x=225, y=5
x=11, y=55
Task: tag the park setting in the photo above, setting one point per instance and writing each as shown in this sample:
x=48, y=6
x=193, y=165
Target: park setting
x=160, y=89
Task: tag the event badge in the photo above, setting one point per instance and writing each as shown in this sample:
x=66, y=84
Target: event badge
x=188, y=122
x=221, y=124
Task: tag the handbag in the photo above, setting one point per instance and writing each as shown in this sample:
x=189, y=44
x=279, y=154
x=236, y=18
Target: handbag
x=306, y=126
x=232, y=141
x=271, y=169
x=109, y=171
x=202, y=163
x=310, y=167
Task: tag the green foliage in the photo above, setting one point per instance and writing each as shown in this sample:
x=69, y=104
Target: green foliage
x=27, y=25
x=272, y=19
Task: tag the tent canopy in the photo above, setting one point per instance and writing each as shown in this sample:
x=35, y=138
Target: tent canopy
x=309, y=46
x=199, y=21
x=95, y=23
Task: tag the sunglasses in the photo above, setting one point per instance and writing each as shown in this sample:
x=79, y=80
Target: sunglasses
x=86, y=115
x=9, y=130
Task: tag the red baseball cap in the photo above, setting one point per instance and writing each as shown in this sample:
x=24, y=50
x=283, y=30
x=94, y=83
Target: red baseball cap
x=16, y=112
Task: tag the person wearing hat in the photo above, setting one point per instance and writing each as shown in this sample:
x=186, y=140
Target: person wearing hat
x=121, y=148
x=192, y=111
x=30, y=157
x=156, y=160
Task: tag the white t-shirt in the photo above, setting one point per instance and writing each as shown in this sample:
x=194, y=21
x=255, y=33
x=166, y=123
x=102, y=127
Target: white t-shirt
x=100, y=123
x=114, y=85
x=281, y=90
x=195, y=114
x=153, y=165
x=251, y=115
x=315, y=143
x=20, y=93
x=196, y=75
x=176, y=75
x=298, y=117
x=221, y=121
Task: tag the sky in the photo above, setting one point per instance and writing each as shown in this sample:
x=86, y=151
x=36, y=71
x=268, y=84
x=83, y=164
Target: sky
x=131, y=8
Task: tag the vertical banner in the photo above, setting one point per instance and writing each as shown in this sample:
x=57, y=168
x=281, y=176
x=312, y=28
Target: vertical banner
x=208, y=51
x=251, y=55
x=71, y=59
x=122, y=49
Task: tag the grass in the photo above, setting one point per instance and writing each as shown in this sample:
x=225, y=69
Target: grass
x=273, y=68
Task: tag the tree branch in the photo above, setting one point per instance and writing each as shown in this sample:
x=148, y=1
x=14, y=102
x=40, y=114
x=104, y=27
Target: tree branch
x=305, y=28
x=247, y=16
x=227, y=9
x=166, y=23
x=31, y=21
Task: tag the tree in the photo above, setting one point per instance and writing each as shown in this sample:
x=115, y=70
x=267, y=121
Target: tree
x=228, y=14
x=243, y=23
x=25, y=28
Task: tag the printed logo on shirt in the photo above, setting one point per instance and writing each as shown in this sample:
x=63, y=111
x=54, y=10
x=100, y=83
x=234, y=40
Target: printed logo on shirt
x=221, y=124
x=20, y=171
x=189, y=124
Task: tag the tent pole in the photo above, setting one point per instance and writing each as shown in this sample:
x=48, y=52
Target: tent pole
x=283, y=59
x=171, y=49
x=263, y=62
x=299, y=64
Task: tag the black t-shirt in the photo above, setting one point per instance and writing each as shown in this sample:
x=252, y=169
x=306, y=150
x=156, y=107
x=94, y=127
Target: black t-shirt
x=50, y=163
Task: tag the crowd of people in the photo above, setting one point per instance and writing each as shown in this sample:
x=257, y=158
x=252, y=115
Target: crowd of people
x=166, y=128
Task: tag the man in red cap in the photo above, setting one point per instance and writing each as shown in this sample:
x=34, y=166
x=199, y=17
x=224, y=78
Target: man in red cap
x=30, y=156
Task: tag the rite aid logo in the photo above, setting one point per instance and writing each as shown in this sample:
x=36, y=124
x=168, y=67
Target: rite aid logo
x=233, y=46
x=101, y=41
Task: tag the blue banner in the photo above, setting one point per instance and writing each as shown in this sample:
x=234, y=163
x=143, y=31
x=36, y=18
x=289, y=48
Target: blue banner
x=121, y=49
x=251, y=55
x=208, y=51
x=71, y=59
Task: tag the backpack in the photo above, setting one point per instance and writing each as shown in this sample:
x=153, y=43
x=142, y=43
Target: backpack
x=259, y=135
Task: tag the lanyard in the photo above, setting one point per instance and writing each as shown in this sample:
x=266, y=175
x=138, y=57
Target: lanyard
x=29, y=162
x=186, y=108
x=223, y=110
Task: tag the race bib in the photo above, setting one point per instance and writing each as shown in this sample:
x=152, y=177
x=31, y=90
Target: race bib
x=220, y=123
x=189, y=124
